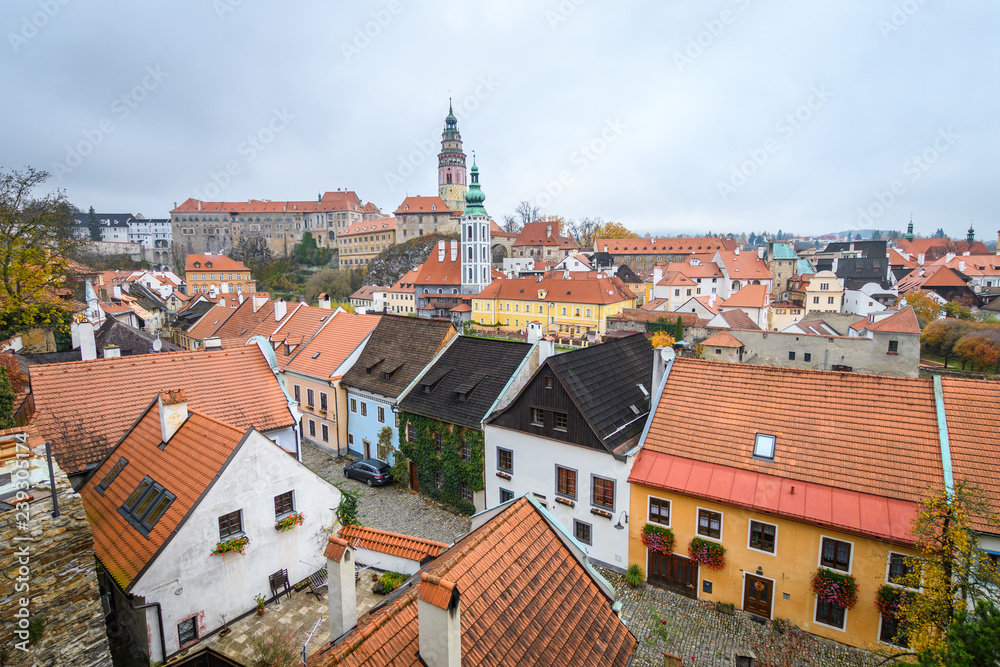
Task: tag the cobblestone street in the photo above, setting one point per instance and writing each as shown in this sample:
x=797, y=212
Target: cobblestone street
x=699, y=635
x=389, y=507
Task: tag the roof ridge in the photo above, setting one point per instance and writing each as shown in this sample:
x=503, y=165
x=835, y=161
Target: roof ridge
x=390, y=533
x=142, y=358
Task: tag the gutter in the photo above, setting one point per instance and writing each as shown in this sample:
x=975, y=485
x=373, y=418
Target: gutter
x=655, y=403
x=949, y=478
x=159, y=621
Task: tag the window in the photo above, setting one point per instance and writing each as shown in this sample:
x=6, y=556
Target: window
x=439, y=443
x=659, y=511
x=829, y=299
x=297, y=391
x=548, y=383
x=231, y=524
x=710, y=524
x=505, y=460
x=146, y=505
x=566, y=482
x=835, y=554
x=830, y=614
x=604, y=493
x=465, y=491
x=381, y=415
x=897, y=568
x=893, y=347
x=326, y=433
x=506, y=495
x=815, y=299
x=562, y=421
x=350, y=439
x=762, y=536
x=112, y=474
x=537, y=417
x=283, y=505
x=411, y=433
x=807, y=357
x=310, y=398
x=364, y=409
x=582, y=531
x=824, y=286
x=892, y=631
x=312, y=428
x=791, y=355
x=323, y=401
x=187, y=631
x=763, y=446
x=466, y=450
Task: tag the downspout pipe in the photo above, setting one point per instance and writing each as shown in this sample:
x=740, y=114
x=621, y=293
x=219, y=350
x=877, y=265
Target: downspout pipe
x=159, y=621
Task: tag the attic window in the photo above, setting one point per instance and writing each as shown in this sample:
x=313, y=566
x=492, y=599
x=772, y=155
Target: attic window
x=197, y=265
x=208, y=265
x=315, y=355
x=763, y=446
x=146, y=505
x=371, y=367
x=548, y=383
x=112, y=474
x=634, y=409
x=389, y=372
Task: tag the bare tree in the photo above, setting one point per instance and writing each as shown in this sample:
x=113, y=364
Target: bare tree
x=511, y=224
x=526, y=212
x=584, y=230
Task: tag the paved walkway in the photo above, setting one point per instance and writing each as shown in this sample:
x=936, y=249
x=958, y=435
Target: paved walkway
x=692, y=630
x=389, y=507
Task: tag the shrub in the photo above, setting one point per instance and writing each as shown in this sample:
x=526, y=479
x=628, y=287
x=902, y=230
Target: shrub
x=390, y=581
x=634, y=576
x=273, y=648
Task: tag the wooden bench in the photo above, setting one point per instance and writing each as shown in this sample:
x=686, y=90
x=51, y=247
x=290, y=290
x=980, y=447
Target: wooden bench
x=317, y=583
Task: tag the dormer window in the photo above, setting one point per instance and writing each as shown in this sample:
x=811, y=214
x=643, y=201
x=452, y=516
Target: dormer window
x=197, y=265
x=763, y=446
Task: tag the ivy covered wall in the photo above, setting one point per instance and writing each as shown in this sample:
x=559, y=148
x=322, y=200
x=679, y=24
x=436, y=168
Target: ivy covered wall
x=449, y=464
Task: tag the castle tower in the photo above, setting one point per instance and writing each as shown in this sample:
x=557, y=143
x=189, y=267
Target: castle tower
x=475, y=239
x=452, y=182
x=909, y=230
x=971, y=237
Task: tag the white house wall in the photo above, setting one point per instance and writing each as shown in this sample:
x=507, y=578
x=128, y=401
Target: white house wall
x=226, y=584
x=535, y=461
x=384, y=562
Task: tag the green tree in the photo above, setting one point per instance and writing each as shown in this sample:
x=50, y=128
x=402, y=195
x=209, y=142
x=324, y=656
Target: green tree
x=972, y=640
x=939, y=234
x=925, y=307
x=340, y=284
x=310, y=254
x=93, y=225
x=957, y=310
x=679, y=329
x=7, y=398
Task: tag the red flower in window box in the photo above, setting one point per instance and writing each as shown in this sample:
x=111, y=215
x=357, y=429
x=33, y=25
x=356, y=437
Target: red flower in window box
x=835, y=588
x=710, y=554
x=289, y=522
x=889, y=598
x=658, y=539
x=234, y=545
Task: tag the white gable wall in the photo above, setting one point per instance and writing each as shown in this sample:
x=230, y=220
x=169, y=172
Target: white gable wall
x=226, y=584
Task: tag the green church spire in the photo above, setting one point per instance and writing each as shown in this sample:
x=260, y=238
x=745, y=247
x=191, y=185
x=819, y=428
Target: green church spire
x=474, y=198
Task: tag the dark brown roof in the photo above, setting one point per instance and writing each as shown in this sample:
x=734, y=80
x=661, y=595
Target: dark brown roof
x=399, y=347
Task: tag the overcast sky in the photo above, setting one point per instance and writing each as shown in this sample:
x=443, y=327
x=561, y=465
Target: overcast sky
x=670, y=117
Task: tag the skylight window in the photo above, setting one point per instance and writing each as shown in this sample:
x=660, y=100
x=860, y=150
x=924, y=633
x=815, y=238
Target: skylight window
x=112, y=475
x=763, y=446
x=146, y=505
x=315, y=355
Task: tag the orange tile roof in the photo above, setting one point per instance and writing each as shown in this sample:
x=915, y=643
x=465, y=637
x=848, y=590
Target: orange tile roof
x=941, y=245
x=664, y=246
x=333, y=344
x=296, y=329
x=844, y=430
x=218, y=263
x=573, y=290
x=538, y=233
x=419, y=204
x=738, y=319
x=244, y=323
x=370, y=227
x=973, y=265
x=497, y=230
x=745, y=266
x=407, y=282
x=929, y=277
x=707, y=304
x=905, y=321
x=331, y=201
x=443, y=272
x=706, y=267
x=897, y=258
x=971, y=407
x=83, y=407
x=750, y=296
x=393, y=544
x=9, y=449
x=676, y=278
x=722, y=339
x=525, y=599
x=210, y=322
x=186, y=467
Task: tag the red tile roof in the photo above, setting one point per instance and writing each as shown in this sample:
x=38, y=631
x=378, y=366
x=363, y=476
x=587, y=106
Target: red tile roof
x=296, y=329
x=393, y=544
x=328, y=349
x=737, y=319
x=663, y=246
x=186, y=467
x=446, y=271
x=497, y=230
x=544, y=234
x=705, y=267
x=722, y=339
x=745, y=266
x=218, y=263
x=941, y=245
x=210, y=322
x=422, y=205
x=929, y=277
x=370, y=227
x=676, y=278
x=905, y=321
x=331, y=201
x=84, y=407
x=526, y=599
x=750, y=296
x=572, y=290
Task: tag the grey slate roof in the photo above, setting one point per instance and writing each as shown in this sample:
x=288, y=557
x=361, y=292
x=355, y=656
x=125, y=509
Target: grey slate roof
x=477, y=368
x=401, y=347
x=604, y=380
x=129, y=339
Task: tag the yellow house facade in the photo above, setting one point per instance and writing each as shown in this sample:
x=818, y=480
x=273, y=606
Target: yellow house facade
x=571, y=306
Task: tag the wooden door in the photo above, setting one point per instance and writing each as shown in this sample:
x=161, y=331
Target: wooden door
x=757, y=593
x=368, y=449
x=673, y=572
x=414, y=480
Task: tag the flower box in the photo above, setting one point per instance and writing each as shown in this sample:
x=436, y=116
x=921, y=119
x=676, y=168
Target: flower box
x=289, y=522
x=600, y=512
x=503, y=475
x=565, y=501
x=710, y=554
x=658, y=539
x=838, y=589
x=233, y=545
x=889, y=598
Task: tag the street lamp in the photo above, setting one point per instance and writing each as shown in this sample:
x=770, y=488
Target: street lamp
x=619, y=526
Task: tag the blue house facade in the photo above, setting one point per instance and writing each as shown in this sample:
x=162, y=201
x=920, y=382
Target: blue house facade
x=367, y=415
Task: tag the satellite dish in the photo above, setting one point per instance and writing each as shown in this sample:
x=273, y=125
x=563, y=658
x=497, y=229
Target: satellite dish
x=157, y=345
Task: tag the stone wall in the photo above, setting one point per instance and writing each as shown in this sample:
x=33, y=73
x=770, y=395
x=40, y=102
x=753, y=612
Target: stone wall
x=61, y=576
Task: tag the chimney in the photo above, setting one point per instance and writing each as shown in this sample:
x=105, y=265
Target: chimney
x=173, y=412
x=948, y=257
x=88, y=346
x=117, y=291
x=280, y=309
x=258, y=301
x=657, y=274
x=454, y=250
x=760, y=252
x=440, y=251
x=323, y=301
x=212, y=343
x=711, y=301
x=737, y=250
x=961, y=266
x=548, y=230
x=340, y=593
x=112, y=352
x=199, y=204
x=439, y=622
x=661, y=357
x=920, y=259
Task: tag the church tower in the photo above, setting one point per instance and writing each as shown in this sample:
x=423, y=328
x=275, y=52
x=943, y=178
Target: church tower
x=475, y=239
x=452, y=182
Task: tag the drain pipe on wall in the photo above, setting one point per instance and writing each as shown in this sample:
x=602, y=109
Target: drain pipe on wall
x=159, y=621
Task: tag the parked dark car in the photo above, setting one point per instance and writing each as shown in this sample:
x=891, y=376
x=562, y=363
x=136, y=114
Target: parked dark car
x=370, y=471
